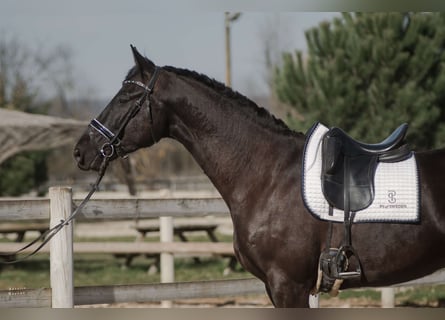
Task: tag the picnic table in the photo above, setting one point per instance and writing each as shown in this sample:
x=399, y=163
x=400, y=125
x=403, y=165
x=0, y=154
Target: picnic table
x=180, y=231
x=20, y=229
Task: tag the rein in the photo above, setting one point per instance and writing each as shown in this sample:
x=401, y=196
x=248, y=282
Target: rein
x=47, y=236
x=113, y=146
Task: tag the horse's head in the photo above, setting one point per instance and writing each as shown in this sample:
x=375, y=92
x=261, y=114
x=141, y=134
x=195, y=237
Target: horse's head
x=130, y=121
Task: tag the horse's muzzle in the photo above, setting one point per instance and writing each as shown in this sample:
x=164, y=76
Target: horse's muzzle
x=83, y=163
x=80, y=159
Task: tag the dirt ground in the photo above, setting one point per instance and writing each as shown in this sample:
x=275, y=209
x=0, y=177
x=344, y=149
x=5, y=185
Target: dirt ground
x=241, y=302
x=229, y=302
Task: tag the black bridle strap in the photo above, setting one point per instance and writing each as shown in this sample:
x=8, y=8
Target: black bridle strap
x=149, y=89
x=151, y=84
x=113, y=143
x=99, y=127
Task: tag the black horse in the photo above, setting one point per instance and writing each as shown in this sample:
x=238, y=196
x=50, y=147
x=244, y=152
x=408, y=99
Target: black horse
x=254, y=160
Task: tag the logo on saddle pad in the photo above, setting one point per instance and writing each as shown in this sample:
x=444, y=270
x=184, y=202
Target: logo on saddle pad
x=391, y=196
x=392, y=202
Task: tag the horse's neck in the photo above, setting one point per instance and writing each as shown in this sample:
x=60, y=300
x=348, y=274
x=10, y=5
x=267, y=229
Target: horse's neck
x=234, y=151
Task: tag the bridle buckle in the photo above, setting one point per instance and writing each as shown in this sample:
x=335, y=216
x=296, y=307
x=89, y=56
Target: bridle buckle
x=107, y=150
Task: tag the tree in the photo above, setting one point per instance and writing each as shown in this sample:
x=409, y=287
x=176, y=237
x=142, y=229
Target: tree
x=369, y=72
x=25, y=79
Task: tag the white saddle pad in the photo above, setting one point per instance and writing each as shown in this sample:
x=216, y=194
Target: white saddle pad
x=397, y=197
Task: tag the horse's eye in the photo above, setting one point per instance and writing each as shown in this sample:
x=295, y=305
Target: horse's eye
x=128, y=96
x=124, y=98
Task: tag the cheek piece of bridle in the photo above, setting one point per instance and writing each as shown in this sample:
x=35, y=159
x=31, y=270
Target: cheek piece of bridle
x=113, y=145
x=108, y=150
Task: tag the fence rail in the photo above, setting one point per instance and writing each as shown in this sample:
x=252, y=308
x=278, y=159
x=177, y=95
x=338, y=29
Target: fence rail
x=109, y=209
x=192, y=248
x=106, y=209
x=20, y=298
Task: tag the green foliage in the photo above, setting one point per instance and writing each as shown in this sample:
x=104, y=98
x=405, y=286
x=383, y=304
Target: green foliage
x=19, y=90
x=22, y=173
x=421, y=295
x=369, y=72
x=356, y=294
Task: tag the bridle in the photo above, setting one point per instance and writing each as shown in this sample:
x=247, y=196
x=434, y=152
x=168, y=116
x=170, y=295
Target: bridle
x=113, y=145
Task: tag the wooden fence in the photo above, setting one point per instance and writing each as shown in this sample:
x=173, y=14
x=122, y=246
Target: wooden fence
x=63, y=294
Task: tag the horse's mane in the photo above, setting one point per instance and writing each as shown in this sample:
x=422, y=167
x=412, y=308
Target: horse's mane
x=252, y=109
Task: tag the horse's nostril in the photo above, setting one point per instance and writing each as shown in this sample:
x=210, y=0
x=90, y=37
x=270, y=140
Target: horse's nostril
x=76, y=154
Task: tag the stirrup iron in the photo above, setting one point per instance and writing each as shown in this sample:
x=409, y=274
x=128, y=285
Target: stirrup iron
x=344, y=274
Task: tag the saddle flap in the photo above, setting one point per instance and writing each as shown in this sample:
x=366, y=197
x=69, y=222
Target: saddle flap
x=357, y=180
x=360, y=183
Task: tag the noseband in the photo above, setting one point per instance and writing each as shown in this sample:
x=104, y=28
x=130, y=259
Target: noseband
x=113, y=146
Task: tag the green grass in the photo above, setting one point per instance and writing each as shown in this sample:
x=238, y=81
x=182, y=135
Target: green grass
x=373, y=295
x=105, y=269
x=33, y=273
x=421, y=295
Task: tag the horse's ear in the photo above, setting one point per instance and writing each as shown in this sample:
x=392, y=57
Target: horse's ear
x=138, y=58
x=142, y=62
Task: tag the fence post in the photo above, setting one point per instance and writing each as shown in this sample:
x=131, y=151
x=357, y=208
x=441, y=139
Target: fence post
x=167, y=259
x=314, y=301
x=61, y=249
x=388, y=297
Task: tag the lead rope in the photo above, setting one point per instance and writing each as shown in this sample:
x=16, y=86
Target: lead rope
x=47, y=236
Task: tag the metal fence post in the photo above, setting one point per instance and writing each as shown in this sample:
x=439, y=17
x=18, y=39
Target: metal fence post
x=314, y=301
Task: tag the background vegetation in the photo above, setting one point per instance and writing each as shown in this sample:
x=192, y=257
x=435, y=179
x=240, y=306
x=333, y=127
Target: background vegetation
x=369, y=72
x=31, y=80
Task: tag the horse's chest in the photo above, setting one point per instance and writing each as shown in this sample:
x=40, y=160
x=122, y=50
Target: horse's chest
x=248, y=251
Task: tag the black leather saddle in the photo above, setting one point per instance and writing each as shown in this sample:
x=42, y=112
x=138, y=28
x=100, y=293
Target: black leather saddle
x=349, y=166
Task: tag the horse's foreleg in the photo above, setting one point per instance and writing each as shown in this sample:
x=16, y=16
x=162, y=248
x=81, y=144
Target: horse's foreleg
x=285, y=293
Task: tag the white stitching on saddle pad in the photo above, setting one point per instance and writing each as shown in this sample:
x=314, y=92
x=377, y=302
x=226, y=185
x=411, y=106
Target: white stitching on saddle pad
x=397, y=197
